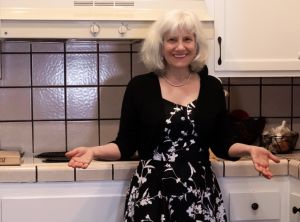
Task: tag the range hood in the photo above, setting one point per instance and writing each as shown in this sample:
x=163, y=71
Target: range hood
x=89, y=19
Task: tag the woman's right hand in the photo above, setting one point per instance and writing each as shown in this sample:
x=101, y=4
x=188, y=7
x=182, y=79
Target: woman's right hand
x=80, y=157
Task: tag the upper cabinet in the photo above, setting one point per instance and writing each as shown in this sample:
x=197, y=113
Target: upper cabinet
x=257, y=38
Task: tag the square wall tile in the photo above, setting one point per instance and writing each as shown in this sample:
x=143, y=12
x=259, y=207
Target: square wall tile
x=49, y=136
x=15, y=104
x=111, y=101
x=296, y=128
x=15, y=70
x=137, y=45
x=108, y=130
x=244, y=80
x=297, y=80
x=16, y=135
x=82, y=103
x=138, y=66
x=277, y=80
x=114, y=68
x=47, y=47
x=47, y=69
x=114, y=46
x=16, y=46
x=81, y=46
x=276, y=101
x=82, y=69
x=245, y=98
x=296, y=101
x=48, y=103
x=82, y=133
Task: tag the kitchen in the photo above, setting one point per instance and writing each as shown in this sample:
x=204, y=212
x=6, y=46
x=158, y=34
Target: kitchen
x=46, y=80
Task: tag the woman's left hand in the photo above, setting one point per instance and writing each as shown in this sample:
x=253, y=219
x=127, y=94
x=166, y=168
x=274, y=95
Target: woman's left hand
x=260, y=157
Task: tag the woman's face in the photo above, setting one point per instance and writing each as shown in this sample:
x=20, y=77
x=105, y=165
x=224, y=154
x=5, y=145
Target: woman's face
x=179, y=49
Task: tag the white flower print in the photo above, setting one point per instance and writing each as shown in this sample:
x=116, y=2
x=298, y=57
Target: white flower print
x=164, y=182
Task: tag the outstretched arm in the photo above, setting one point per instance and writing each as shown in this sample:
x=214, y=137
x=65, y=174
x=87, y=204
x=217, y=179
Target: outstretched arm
x=81, y=157
x=259, y=155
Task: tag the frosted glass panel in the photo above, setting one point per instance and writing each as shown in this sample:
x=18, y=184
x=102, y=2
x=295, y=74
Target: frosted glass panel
x=245, y=98
x=83, y=133
x=114, y=68
x=49, y=136
x=47, y=47
x=48, y=103
x=111, y=108
x=15, y=70
x=137, y=66
x=15, y=104
x=12, y=46
x=276, y=101
x=82, y=103
x=81, y=46
x=23, y=140
x=113, y=46
x=47, y=69
x=108, y=130
x=81, y=69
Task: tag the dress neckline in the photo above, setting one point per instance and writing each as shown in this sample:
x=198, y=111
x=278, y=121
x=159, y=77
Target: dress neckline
x=176, y=104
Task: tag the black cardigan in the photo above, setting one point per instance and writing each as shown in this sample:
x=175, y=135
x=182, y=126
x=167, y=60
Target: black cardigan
x=141, y=122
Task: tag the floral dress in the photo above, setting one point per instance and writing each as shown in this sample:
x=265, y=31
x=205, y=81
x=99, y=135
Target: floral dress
x=171, y=187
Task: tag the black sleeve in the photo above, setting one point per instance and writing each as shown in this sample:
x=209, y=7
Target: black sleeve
x=223, y=136
x=128, y=135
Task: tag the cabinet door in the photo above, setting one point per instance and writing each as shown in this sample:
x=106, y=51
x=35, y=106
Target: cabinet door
x=63, y=209
x=255, y=35
x=294, y=203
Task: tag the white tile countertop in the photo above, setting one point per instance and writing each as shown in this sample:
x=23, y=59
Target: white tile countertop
x=33, y=170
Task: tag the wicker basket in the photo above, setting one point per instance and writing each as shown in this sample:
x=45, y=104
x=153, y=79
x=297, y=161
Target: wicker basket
x=280, y=144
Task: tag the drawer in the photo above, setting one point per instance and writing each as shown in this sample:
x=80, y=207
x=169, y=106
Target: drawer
x=254, y=206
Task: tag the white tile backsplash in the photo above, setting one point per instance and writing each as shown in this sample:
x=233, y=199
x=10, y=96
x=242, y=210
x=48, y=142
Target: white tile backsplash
x=77, y=88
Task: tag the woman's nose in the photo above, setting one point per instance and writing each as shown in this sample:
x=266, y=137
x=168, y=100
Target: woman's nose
x=180, y=45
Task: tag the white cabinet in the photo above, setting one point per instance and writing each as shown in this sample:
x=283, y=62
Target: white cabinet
x=101, y=201
x=63, y=209
x=294, y=206
x=249, y=199
x=254, y=36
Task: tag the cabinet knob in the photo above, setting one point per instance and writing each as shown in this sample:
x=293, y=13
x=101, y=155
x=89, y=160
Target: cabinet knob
x=254, y=206
x=296, y=210
x=94, y=29
x=123, y=29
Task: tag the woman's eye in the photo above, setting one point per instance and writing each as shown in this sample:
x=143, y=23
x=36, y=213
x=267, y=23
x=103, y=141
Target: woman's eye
x=188, y=39
x=171, y=40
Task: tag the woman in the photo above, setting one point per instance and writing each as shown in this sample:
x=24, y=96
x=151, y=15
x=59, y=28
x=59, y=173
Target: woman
x=172, y=116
